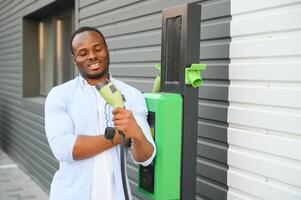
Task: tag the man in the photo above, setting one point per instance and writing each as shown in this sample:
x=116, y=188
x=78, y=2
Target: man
x=75, y=120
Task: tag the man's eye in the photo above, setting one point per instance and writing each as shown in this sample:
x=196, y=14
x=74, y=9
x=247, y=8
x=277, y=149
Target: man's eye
x=98, y=49
x=82, y=53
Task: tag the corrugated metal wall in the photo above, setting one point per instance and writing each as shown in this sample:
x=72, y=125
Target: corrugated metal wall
x=21, y=120
x=264, y=114
x=133, y=32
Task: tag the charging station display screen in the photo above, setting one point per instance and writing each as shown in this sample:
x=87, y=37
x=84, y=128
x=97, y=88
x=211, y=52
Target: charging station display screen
x=147, y=173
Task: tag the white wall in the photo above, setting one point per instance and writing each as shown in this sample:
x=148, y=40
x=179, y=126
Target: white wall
x=264, y=114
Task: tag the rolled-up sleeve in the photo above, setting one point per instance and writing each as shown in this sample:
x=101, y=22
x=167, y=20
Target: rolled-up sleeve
x=140, y=113
x=59, y=126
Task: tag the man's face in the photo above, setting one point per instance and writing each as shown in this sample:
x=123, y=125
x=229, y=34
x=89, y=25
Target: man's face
x=91, y=55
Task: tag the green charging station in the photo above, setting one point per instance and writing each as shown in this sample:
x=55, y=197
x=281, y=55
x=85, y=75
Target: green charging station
x=173, y=109
x=165, y=119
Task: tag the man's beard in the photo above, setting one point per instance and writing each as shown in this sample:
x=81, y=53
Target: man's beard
x=94, y=76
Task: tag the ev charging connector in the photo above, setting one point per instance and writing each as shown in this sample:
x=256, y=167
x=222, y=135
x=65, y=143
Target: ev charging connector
x=193, y=75
x=156, y=86
x=115, y=99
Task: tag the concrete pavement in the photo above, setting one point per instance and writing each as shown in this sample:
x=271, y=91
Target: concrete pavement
x=15, y=184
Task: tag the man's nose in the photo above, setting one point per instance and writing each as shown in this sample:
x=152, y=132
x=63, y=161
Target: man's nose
x=92, y=55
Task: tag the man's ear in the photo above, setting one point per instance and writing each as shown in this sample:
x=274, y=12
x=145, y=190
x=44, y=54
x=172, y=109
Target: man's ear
x=73, y=59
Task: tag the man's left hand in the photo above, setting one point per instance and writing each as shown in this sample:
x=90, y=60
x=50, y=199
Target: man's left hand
x=125, y=121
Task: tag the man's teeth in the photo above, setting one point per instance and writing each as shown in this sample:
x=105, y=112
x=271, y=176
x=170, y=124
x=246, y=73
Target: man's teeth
x=95, y=65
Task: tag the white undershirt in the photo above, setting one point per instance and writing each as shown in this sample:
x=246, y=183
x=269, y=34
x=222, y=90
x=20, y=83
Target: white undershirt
x=103, y=187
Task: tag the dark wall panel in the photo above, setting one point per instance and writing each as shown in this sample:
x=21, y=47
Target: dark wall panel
x=22, y=133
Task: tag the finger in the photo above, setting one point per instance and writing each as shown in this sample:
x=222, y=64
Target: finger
x=123, y=119
x=122, y=115
x=118, y=116
x=117, y=110
x=120, y=122
x=121, y=128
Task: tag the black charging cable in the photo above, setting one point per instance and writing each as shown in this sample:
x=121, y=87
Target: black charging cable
x=122, y=165
x=109, y=135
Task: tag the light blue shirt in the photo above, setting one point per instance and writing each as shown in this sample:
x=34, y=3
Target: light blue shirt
x=71, y=110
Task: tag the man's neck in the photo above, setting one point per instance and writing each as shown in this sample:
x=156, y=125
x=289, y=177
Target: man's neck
x=94, y=82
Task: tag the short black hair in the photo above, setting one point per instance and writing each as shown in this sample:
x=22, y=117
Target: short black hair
x=83, y=29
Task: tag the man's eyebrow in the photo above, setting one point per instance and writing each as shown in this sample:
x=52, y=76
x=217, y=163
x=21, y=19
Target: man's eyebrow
x=94, y=45
x=99, y=44
x=82, y=49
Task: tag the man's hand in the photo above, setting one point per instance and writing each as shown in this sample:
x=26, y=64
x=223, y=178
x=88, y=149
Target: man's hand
x=117, y=139
x=124, y=121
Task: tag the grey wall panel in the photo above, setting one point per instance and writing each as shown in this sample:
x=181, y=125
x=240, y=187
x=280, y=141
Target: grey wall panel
x=216, y=28
x=215, y=111
x=26, y=141
x=86, y=3
x=141, y=69
x=211, y=189
x=43, y=159
x=34, y=105
x=14, y=11
x=215, y=49
x=22, y=156
x=216, y=69
x=27, y=123
x=12, y=89
x=10, y=99
x=212, y=170
x=136, y=25
x=5, y=9
x=139, y=9
x=214, y=90
x=4, y=4
x=212, y=130
x=215, y=9
x=10, y=83
x=11, y=69
x=12, y=41
x=10, y=96
x=8, y=63
x=22, y=130
x=212, y=150
x=105, y=7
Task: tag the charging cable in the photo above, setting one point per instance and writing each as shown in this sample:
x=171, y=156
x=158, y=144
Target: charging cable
x=109, y=135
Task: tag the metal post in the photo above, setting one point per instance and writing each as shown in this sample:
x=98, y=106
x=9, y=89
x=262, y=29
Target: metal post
x=180, y=49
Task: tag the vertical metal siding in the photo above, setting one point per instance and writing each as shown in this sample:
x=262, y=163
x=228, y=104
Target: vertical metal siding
x=212, y=124
x=21, y=122
x=133, y=32
x=264, y=113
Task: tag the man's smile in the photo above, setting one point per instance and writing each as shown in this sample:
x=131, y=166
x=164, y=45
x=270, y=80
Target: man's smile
x=94, y=65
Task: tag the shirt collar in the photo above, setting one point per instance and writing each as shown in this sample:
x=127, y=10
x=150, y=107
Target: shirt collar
x=83, y=82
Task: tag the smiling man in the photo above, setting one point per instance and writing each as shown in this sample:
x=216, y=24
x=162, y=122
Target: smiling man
x=75, y=120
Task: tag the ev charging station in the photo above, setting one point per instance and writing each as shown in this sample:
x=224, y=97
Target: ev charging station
x=173, y=111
